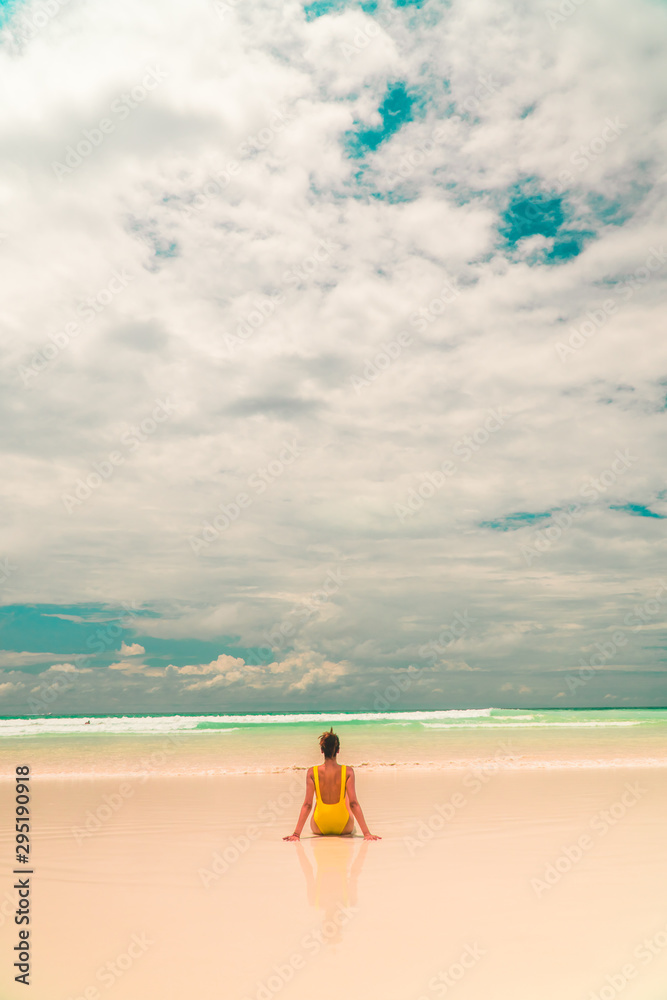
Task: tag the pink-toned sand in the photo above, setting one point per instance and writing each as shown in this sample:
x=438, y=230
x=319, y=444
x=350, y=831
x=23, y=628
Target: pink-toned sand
x=528, y=885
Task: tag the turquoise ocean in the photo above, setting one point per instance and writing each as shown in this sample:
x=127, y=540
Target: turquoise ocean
x=78, y=746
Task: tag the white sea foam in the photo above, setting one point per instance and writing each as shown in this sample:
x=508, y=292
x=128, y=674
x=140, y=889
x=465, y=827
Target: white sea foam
x=210, y=723
x=513, y=717
x=537, y=725
x=445, y=719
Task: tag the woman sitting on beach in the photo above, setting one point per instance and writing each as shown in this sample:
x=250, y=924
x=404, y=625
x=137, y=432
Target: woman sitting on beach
x=336, y=805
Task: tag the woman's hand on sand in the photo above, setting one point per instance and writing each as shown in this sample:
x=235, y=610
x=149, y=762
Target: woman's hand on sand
x=292, y=836
x=372, y=836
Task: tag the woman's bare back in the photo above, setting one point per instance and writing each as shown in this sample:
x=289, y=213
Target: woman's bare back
x=330, y=777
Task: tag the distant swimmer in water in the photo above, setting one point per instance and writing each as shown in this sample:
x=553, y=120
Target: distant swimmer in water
x=87, y=723
x=336, y=804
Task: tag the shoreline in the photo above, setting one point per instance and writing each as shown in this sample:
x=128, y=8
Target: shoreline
x=375, y=768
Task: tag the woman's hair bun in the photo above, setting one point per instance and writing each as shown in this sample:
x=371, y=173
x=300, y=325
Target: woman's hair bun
x=329, y=743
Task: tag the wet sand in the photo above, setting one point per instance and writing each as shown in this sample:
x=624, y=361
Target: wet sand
x=516, y=885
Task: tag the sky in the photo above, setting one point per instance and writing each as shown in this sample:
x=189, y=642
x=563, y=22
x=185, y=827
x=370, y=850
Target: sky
x=333, y=369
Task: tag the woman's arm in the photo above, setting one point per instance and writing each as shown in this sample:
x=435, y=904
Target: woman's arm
x=355, y=808
x=305, y=808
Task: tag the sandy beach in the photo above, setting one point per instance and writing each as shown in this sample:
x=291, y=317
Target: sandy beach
x=509, y=884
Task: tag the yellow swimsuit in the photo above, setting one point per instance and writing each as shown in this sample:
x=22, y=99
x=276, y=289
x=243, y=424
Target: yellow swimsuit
x=330, y=817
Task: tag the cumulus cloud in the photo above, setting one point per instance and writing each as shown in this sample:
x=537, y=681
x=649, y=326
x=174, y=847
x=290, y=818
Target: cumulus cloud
x=222, y=684
x=133, y=649
x=295, y=673
x=227, y=665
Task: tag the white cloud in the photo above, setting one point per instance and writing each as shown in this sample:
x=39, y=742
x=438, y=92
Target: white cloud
x=11, y=659
x=133, y=649
x=297, y=672
x=222, y=665
x=160, y=331
x=63, y=668
x=132, y=667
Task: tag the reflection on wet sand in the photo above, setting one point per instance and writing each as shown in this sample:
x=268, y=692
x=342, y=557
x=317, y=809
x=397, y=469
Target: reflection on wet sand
x=332, y=881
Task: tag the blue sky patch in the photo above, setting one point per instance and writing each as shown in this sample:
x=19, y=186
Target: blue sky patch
x=536, y=213
x=520, y=519
x=617, y=210
x=7, y=9
x=321, y=7
x=166, y=249
x=638, y=509
x=393, y=197
x=396, y=109
x=161, y=246
x=160, y=652
x=610, y=211
x=97, y=631
x=63, y=629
